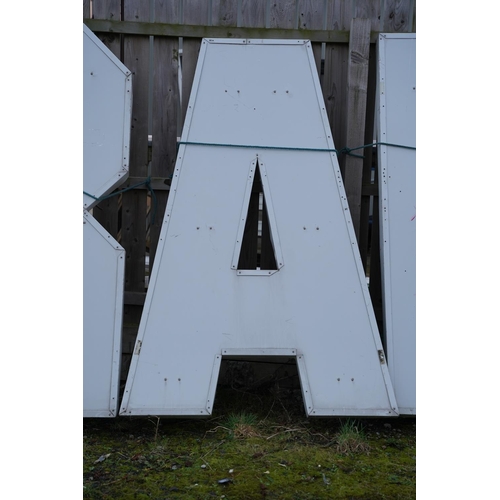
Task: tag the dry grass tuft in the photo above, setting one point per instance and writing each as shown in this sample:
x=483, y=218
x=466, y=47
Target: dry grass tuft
x=351, y=439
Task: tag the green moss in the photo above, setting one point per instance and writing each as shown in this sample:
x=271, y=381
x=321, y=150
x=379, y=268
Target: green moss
x=287, y=457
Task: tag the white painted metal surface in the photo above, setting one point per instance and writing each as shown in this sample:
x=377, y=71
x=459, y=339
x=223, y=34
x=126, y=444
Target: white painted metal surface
x=103, y=275
x=315, y=306
x=396, y=124
x=106, y=104
x=107, y=97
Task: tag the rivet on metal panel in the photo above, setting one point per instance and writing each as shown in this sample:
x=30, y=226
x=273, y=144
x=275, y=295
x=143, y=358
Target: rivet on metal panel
x=197, y=227
x=84, y=222
x=317, y=229
x=179, y=379
x=165, y=379
x=304, y=228
x=274, y=91
x=338, y=380
x=352, y=380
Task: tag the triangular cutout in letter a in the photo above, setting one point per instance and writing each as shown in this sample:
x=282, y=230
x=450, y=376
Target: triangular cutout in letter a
x=257, y=249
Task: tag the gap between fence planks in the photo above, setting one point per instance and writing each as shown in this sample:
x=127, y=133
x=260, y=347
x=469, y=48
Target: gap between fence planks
x=357, y=85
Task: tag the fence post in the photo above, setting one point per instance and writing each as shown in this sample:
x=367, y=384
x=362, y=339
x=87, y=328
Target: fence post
x=357, y=85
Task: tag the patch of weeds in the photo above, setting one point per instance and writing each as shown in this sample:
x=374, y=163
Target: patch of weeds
x=241, y=425
x=351, y=438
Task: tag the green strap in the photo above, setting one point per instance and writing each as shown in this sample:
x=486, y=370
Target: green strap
x=146, y=183
x=346, y=150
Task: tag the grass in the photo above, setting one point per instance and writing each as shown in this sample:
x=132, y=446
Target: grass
x=257, y=445
x=351, y=438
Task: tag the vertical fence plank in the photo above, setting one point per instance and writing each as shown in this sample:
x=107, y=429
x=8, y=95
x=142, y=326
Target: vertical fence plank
x=86, y=9
x=357, y=85
x=224, y=12
x=339, y=14
x=196, y=13
x=335, y=91
x=283, y=14
x=107, y=211
x=165, y=113
x=397, y=16
x=367, y=197
x=134, y=202
x=110, y=10
x=253, y=13
x=310, y=14
x=368, y=9
x=338, y=17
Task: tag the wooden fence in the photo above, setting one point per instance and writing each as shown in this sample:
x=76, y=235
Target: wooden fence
x=159, y=41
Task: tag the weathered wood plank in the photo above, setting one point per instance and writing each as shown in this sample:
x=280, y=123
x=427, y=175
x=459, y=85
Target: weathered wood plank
x=86, y=9
x=224, y=13
x=195, y=12
x=316, y=48
x=167, y=11
x=397, y=16
x=311, y=14
x=109, y=10
x=339, y=15
x=335, y=93
x=253, y=13
x=193, y=31
x=134, y=204
x=283, y=14
x=165, y=106
x=165, y=111
x=190, y=53
x=248, y=252
x=368, y=189
x=368, y=9
x=357, y=85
